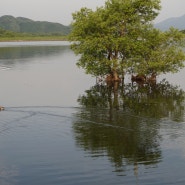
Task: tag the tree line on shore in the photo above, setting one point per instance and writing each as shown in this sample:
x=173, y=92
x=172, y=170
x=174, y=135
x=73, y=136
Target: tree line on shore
x=6, y=35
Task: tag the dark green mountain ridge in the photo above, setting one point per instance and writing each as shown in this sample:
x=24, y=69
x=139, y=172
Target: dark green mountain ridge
x=25, y=25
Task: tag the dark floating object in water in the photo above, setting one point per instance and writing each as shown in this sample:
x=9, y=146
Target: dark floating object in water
x=1, y=108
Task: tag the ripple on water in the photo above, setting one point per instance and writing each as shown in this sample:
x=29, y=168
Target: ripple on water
x=49, y=145
x=37, y=119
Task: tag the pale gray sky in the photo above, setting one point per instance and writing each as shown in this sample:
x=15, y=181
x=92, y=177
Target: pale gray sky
x=60, y=10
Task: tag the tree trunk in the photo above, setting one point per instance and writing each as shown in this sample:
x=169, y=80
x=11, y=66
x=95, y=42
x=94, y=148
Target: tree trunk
x=115, y=76
x=115, y=91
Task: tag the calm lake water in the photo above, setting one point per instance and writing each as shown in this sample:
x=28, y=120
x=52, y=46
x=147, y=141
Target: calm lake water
x=61, y=128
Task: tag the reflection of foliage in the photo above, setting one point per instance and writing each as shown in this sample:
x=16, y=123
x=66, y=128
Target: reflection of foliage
x=125, y=139
x=100, y=96
x=160, y=100
x=129, y=135
x=97, y=96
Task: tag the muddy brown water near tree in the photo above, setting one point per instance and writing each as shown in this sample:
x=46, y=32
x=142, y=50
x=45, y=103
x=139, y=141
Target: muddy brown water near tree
x=59, y=127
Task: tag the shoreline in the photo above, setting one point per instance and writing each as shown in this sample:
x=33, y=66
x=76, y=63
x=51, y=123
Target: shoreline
x=29, y=39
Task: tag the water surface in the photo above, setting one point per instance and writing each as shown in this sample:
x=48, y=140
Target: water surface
x=59, y=127
x=40, y=73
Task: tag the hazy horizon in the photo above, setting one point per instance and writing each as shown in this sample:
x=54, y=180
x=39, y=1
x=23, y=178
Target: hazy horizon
x=61, y=11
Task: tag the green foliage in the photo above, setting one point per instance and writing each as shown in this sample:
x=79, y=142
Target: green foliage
x=161, y=52
x=120, y=36
x=5, y=33
x=183, y=31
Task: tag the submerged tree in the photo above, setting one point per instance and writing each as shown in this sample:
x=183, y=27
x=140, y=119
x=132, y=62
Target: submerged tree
x=119, y=37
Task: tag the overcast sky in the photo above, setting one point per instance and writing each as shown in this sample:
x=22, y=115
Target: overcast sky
x=60, y=10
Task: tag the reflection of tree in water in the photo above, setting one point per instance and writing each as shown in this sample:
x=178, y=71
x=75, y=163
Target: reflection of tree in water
x=125, y=125
x=162, y=100
x=156, y=101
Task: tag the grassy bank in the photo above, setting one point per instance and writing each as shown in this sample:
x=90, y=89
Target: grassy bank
x=7, y=36
x=33, y=38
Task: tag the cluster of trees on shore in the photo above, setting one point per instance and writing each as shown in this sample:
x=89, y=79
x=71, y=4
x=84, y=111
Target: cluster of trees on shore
x=120, y=38
x=6, y=35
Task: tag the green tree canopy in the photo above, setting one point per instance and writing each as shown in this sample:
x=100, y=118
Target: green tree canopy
x=120, y=37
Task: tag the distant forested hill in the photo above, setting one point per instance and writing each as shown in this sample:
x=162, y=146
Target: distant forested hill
x=24, y=25
x=176, y=22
